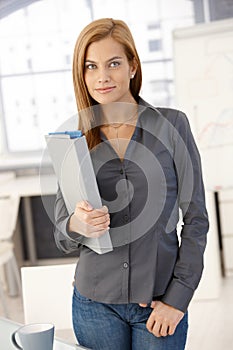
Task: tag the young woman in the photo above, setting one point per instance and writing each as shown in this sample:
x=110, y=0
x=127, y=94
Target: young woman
x=147, y=168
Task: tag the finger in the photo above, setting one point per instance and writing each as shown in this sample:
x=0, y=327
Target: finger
x=97, y=234
x=100, y=227
x=97, y=213
x=103, y=226
x=156, y=329
x=150, y=322
x=103, y=209
x=90, y=217
x=153, y=304
x=142, y=305
x=164, y=330
x=171, y=329
x=100, y=220
x=85, y=205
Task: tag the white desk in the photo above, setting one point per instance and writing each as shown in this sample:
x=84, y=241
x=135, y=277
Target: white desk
x=26, y=187
x=7, y=327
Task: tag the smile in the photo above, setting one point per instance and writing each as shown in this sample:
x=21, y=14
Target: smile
x=105, y=90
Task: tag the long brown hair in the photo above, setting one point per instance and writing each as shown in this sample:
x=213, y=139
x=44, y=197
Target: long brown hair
x=95, y=31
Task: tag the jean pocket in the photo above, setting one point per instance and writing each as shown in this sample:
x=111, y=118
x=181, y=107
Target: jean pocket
x=81, y=297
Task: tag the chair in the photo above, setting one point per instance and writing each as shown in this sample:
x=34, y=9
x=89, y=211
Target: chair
x=8, y=217
x=47, y=294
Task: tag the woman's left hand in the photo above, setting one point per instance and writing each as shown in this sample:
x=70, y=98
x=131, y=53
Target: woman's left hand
x=164, y=319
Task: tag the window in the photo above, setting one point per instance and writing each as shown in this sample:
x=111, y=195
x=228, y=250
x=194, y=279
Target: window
x=155, y=45
x=37, y=96
x=37, y=43
x=153, y=26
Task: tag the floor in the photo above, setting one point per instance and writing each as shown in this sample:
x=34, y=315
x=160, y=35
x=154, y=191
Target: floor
x=210, y=322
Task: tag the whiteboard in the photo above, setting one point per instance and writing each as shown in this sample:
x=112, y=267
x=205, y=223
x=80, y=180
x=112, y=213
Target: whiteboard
x=203, y=67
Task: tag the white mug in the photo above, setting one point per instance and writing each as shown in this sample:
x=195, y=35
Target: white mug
x=36, y=336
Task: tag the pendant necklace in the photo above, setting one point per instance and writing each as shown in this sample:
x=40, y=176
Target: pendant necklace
x=117, y=126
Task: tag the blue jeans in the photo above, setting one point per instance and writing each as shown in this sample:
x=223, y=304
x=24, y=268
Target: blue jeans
x=100, y=326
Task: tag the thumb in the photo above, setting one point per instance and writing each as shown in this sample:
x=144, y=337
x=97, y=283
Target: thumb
x=153, y=304
x=143, y=305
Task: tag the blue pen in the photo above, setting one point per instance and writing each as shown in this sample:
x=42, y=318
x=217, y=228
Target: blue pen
x=73, y=134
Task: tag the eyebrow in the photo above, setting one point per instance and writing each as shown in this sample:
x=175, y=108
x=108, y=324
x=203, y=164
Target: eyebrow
x=111, y=59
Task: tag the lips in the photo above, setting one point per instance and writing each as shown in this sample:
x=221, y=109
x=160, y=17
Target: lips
x=105, y=90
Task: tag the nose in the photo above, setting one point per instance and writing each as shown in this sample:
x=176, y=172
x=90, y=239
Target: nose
x=103, y=76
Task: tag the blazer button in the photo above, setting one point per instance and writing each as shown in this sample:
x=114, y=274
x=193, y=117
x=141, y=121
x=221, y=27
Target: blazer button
x=126, y=265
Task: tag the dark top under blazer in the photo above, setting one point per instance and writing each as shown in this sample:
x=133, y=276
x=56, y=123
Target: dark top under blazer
x=159, y=177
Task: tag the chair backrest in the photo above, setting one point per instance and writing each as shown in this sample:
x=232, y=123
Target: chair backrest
x=9, y=207
x=47, y=294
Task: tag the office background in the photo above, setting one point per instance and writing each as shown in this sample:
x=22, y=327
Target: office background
x=36, y=79
x=36, y=92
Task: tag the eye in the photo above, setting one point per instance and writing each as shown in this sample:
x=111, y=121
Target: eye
x=114, y=64
x=90, y=66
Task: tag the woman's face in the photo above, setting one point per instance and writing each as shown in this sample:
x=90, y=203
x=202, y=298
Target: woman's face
x=107, y=72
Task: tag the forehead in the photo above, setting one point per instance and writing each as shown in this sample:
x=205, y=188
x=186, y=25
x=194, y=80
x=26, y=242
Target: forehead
x=105, y=49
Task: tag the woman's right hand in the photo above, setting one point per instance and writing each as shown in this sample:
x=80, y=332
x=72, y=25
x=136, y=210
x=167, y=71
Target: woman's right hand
x=88, y=221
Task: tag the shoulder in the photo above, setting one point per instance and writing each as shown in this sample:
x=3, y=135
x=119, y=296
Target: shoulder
x=174, y=116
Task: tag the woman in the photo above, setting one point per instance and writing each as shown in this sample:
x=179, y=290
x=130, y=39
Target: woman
x=148, y=168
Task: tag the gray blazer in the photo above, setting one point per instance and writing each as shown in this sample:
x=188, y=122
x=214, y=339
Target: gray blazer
x=159, y=178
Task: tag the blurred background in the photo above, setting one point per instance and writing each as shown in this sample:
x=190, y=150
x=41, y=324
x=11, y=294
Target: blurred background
x=186, y=50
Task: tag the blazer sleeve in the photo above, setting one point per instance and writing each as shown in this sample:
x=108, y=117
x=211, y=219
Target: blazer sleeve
x=66, y=240
x=191, y=200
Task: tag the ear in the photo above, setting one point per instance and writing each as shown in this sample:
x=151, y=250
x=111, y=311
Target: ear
x=133, y=68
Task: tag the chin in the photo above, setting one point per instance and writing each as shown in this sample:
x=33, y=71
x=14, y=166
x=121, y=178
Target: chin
x=106, y=99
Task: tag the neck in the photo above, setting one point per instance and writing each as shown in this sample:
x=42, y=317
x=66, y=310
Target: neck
x=119, y=113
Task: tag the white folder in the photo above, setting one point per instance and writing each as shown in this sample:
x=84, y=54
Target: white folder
x=75, y=174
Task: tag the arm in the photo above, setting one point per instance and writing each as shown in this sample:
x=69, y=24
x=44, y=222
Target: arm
x=84, y=222
x=168, y=312
x=191, y=200
x=65, y=240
